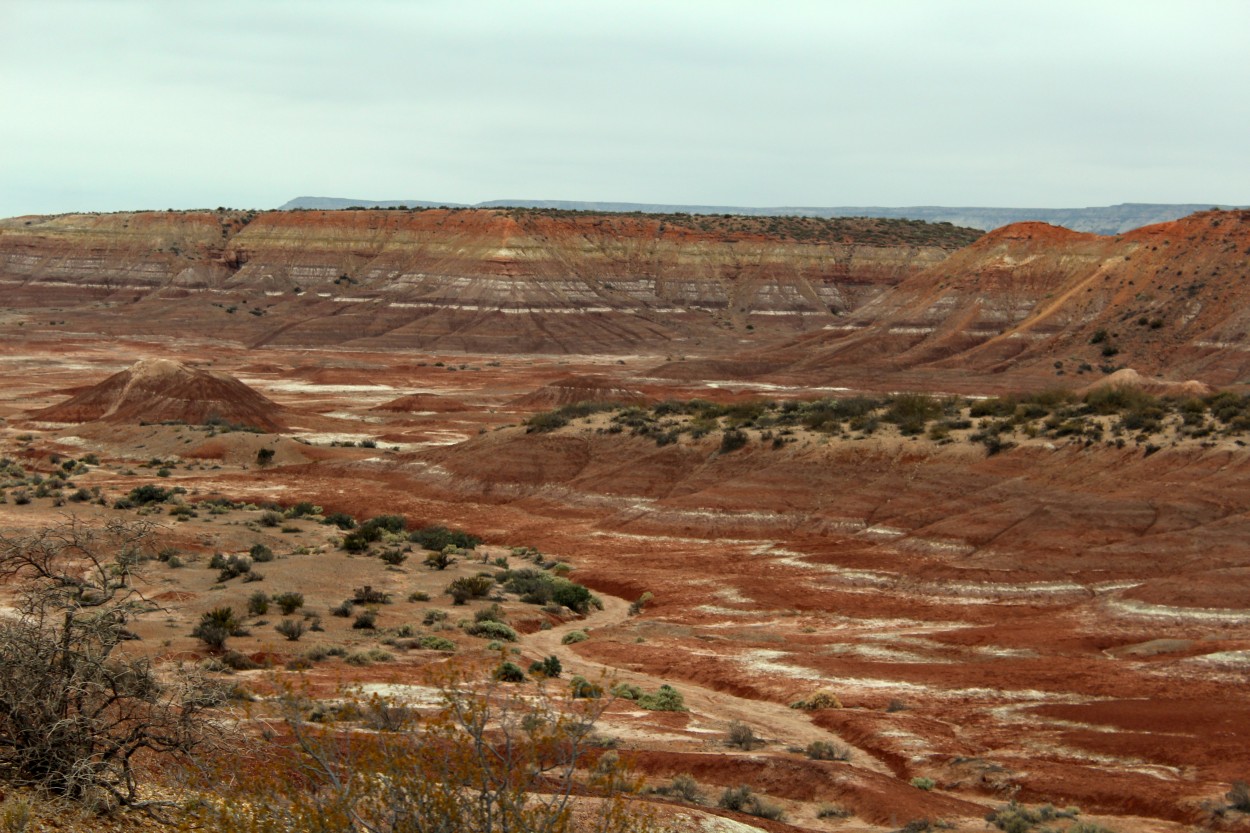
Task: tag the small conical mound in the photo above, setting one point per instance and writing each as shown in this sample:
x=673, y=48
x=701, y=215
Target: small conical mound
x=160, y=390
x=573, y=389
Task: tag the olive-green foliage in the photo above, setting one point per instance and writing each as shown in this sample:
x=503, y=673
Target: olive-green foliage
x=827, y=750
x=258, y=604
x=551, y=420
x=509, y=672
x=143, y=495
x=665, y=699
x=437, y=538
x=743, y=800
x=580, y=687
x=437, y=643
x=1017, y=818
x=911, y=411
x=491, y=630
x=289, y=602
x=549, y=667
x=216, y=626
x=341, y=520
x=469, y=587
x=540, y=587
x=573, y=637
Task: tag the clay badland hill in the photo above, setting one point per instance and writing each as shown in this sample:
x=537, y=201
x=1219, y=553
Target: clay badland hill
x=160, y=390
x=1046, y=304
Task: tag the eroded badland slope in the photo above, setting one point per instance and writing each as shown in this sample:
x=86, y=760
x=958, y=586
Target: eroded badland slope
x=1044, y=304
x=480, y=280
x=1039, y=599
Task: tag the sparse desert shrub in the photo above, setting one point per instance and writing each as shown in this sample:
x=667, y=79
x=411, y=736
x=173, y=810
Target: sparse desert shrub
x=368, y=596
x=582, y=688
x=509, y=672
x=1017, y=818
x=826, y=750
x=292, y=629
x=832, y=811
x=469, y=587
x=394, y=556
x=433, y=617
x=373, y=528
x=742, y=736
x=258, y=603
x=549, y=667
x=437, y=643
x=366, y=620
x=491, y=630
x=270, y=518
x=260, y=553
x=289, y=602
x=343, y=608
x=341, y=520
x=665, y=699
x=233, y=566
x=216, y=626
x=922, y=783
x=627, y=691
x=418, y=596
x=732, y=440
x=638, y=604
x=442, y=559
x=684, y=788
x=819, y=700
x=573, y=637
x=1239, y=796
x=438, y=538
x=743, y=800
x=149, y=493
x=519, y=757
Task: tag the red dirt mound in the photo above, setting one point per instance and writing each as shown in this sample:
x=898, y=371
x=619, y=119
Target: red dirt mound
x=422, y=402
x=159, y=390
x=573, y=389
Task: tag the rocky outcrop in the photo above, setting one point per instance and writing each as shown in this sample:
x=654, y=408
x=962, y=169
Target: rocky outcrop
x=484, y=280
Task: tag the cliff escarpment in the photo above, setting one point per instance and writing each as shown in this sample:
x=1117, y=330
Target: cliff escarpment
x=478, y=280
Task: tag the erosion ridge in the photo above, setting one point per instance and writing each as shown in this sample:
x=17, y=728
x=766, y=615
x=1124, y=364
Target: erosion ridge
x=502, y=280
x=1041, y=303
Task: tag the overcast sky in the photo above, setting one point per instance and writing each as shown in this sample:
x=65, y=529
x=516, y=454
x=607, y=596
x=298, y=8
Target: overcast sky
x=117, y=104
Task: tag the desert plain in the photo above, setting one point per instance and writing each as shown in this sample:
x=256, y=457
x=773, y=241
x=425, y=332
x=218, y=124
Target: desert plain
x=1011, y=565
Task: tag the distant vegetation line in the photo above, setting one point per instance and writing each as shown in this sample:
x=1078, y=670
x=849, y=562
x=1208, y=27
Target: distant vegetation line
x=1111, y=219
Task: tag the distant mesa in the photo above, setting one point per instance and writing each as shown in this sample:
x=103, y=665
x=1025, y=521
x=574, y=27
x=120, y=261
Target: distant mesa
x=573, y=389
x=160, y=390
x=1108, y=219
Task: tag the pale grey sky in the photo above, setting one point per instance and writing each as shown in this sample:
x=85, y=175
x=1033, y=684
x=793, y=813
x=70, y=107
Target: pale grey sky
x=123, y=104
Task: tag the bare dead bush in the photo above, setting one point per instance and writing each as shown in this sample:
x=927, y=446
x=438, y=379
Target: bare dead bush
x=76, y=711
x=488, y=757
